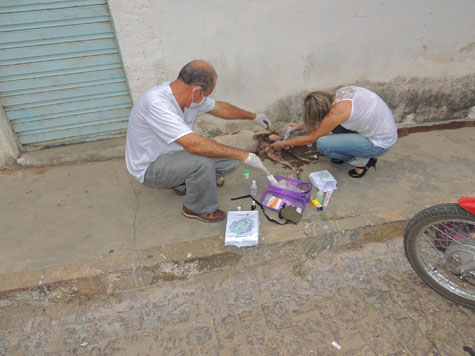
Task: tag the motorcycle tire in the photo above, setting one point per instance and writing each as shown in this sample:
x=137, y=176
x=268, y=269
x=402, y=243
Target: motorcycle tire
x=426, y=245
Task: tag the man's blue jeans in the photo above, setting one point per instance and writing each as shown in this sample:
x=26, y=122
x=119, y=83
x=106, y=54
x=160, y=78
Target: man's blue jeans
x=349, y=146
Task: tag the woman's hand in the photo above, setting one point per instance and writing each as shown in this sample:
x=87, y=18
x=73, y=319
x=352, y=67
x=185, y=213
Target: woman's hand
x=277, y=145
x=294, y=126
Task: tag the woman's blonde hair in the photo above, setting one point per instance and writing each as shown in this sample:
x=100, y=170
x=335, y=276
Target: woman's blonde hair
x=316, y=106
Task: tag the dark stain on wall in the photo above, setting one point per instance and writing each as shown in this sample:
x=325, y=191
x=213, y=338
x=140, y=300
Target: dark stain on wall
x=414, y=101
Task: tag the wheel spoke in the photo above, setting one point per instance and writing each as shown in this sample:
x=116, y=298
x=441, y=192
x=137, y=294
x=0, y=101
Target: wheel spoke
x=433, y=257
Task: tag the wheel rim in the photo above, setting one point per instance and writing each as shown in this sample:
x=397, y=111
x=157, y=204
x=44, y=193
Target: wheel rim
x=431, y=245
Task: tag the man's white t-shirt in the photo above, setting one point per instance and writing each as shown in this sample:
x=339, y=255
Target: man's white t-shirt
x=370, y=116
x=156, y=122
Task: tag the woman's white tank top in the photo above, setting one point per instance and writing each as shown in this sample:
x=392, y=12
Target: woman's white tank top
x=370, y=116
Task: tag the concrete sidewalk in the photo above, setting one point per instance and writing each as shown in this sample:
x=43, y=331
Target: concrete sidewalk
x=92, y=227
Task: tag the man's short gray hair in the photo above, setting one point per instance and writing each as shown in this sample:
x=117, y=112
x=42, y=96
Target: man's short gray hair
x=198, y=73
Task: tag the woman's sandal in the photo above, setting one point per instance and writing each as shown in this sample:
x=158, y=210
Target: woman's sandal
x=371, y=163
x=337, y=161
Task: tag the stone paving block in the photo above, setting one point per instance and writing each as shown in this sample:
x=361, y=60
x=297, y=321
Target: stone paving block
x=327, y=281
x=439, y=302
x=240, y=299
x=234, y=351
x=245, y=280
x=204, y=350
x=371, y=287
x=289, y=342
x=112, y=329
x=315, y=332
x=82, y=351
x=345, y=333
x=364, y=351
x=4, y=344
x=62, y=313
x=462, y=317
x=10, y=323
x=170, y=342
x=301, y=304
x=146, y=319
x=424, y=313
x=447, y=341
x=179, y=290
x=326, y=350
x=272, y=289
x=198, y=334
x=227, y=330
x=400, y=287
x=38, y=343
x=413, y=339
x=331, y=306
x=277, y=315
x=354, y=301
x=379, y=333
x=257, y=342
x=318, y=283
x=175, y=314
x=206, y=306
x=76, y=334
x=386, y=306
x=251, y=315
x=118, y=347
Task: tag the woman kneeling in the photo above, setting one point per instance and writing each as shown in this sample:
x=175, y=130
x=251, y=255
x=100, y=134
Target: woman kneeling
x=361, y=124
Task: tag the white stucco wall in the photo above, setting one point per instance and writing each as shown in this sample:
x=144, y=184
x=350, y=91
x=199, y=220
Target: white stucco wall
x=264, y=50
x=8, y=147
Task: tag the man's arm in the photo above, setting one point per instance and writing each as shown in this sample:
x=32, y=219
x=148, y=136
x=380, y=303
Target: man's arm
x=206, y=147
x=230, y=112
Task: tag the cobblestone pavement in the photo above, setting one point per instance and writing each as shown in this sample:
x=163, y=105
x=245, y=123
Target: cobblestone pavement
x=366, y=299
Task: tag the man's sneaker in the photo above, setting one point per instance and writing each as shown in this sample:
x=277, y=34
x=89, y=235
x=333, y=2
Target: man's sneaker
x=178, y=191
x=215, y=216
x=220, y=181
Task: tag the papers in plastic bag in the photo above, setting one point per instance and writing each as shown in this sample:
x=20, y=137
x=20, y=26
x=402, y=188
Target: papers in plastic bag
x=323, y=180
x=242, y=228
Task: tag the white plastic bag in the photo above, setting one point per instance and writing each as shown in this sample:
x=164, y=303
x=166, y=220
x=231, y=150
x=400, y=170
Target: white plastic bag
x=242, y=228
x=323, y=180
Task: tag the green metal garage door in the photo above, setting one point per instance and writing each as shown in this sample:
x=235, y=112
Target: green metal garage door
x=61, y=75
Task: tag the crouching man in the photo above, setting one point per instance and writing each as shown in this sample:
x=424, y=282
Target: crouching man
x=163, y=152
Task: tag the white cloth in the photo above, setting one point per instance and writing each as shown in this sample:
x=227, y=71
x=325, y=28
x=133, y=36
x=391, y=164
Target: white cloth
x=370, y=116
x=156, y=122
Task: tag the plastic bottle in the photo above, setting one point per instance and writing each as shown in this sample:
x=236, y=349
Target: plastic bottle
x=253, y=188
x=320, y=196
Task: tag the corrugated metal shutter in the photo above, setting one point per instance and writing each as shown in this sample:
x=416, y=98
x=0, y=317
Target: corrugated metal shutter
x=61, y=76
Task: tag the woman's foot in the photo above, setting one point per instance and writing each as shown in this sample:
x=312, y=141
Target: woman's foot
x=358, y=172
